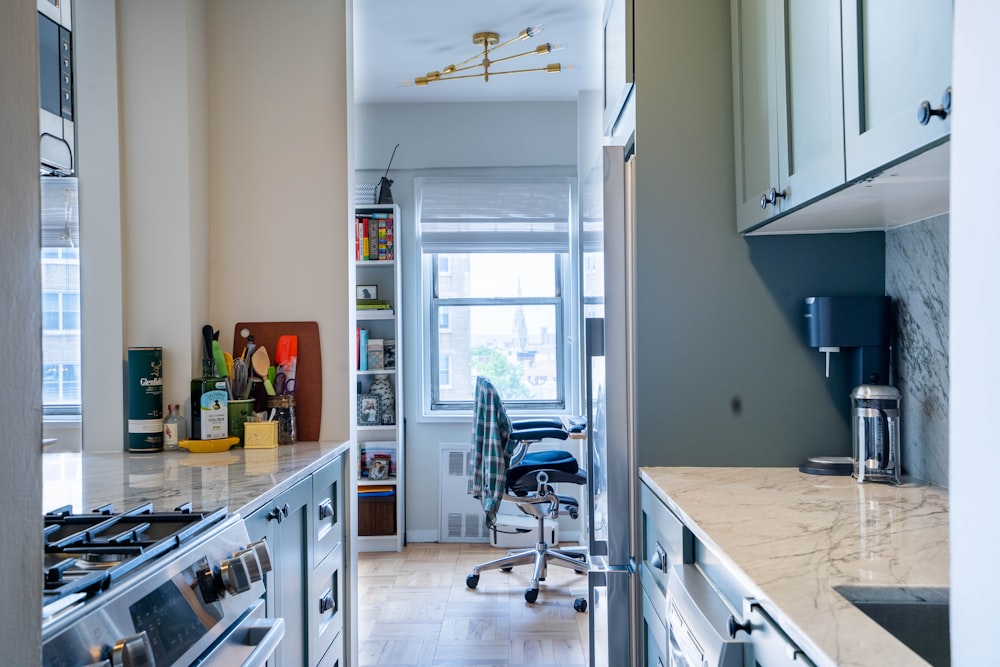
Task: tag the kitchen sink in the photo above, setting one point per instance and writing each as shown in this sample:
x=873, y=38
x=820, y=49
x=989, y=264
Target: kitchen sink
x=918, y=617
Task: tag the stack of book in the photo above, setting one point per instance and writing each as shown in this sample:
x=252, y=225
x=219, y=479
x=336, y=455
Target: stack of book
x=373, y=304
x=374, y=236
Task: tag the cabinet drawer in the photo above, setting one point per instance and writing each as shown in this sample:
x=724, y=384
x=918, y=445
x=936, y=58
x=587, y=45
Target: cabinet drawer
x=335, y=654
x=325, y=604
x=665, y=542
x=654, y=630
x=328, y=527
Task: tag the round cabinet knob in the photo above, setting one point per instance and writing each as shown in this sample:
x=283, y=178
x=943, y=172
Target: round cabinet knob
x=325, y=510
x=134, y=651
x=734, y=627
x=326, y=603
x=278, y=514
x=946, y=100
x=926, y=112
x=772, y=197
x=235, y=572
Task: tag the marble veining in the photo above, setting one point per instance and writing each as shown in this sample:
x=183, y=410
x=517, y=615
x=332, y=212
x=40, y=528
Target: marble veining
x=791, y=538
x=239, y=479
x=916, y=277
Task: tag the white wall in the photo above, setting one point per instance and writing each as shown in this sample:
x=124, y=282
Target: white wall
x=20, y=330
x=447, y=139
x=975, y=362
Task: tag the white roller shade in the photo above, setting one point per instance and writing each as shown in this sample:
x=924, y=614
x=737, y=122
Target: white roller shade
x=460, y=215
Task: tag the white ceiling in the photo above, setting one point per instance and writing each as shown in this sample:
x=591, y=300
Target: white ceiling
x=398, y=40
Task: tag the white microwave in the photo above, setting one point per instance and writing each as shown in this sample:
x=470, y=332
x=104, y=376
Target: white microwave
x=55, y=87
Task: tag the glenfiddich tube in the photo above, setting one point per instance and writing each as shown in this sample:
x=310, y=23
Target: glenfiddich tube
x=145, y=399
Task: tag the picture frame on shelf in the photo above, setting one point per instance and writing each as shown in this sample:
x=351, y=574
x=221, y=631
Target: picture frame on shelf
x=389, y=354
x=368, y=410
x=367, y=292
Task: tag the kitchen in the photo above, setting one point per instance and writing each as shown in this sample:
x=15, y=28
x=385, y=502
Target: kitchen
x=310, y=163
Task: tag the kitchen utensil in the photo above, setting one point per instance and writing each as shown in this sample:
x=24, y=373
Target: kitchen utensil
x=240, y=379
x=286, y=349
x=261, y=364
x=207, y=338
x=875, y=431
x=229, y=363
x=220, y=360
x=284, y=384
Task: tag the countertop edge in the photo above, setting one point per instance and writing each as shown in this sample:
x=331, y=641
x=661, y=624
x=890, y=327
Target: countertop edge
x=291, y=481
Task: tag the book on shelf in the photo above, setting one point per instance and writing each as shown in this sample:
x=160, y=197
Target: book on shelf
x=374, y=236
x=375, y=354
x=362, y=348
x=373, y=304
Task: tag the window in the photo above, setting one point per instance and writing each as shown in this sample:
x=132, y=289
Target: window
x=60, y=297
x=495, y=257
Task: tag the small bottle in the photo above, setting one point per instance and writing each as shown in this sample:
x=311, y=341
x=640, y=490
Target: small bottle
x=174, y=428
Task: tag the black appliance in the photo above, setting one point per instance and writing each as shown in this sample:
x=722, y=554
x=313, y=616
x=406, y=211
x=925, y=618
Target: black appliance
x=156, y=588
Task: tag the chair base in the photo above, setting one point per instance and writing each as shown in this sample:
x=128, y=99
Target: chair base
x=540, y=556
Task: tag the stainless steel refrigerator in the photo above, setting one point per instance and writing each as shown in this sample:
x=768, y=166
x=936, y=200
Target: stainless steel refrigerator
x=609, y=394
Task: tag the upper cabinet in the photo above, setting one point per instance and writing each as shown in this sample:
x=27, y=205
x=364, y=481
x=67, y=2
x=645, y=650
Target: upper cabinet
x=826, y=103
x=619, y=76
x=787, y=94
x=897, y=73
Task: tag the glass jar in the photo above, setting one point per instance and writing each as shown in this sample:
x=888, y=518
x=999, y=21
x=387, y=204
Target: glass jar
x=284, y=407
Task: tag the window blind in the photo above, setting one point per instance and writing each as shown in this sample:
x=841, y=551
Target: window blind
x=467, y=215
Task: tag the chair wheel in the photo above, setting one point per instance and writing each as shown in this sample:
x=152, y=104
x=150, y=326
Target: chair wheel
x=472, y=580
x=580, y=604
x=530, y=595
x=506, y=569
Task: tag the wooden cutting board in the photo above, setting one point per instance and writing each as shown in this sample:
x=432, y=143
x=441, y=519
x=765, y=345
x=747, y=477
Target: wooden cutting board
x=308, y=370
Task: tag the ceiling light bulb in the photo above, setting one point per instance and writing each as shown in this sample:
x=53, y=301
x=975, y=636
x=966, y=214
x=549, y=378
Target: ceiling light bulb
x=420, y=81
x=530, y=31
x=449, y=69
x=553, y=67
x=433, y=76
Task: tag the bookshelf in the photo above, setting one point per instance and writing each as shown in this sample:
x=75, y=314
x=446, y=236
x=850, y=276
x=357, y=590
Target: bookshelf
x=379, y=441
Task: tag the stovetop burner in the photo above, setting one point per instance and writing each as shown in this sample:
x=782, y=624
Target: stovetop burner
x=87, y=553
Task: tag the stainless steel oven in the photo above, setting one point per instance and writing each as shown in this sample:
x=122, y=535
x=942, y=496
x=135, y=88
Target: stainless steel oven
x=700, y=626
x=154, y=588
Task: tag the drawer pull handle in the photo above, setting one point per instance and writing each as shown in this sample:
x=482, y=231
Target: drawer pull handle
x=326, y=602
x=278, y=514
x=325, y=510
x=659, y=560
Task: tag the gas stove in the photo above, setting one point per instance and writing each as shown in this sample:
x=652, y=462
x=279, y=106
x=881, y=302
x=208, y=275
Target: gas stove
x=152, y=588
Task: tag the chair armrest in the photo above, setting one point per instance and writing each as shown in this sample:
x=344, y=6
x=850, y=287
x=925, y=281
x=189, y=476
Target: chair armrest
x=535, y=434
x=536, y=423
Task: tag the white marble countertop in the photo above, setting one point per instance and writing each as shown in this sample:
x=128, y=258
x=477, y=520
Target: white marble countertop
x=791, y=537
x=240, y=479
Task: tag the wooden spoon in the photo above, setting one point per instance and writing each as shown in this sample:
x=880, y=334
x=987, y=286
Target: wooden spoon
x=261, y=362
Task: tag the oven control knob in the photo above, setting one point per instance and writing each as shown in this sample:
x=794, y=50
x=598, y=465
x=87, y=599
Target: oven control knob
x=235, y=572
x=134, y=651
x=263, y=555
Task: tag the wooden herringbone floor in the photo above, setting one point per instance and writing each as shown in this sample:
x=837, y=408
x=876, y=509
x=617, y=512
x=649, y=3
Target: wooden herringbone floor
x=415, y=609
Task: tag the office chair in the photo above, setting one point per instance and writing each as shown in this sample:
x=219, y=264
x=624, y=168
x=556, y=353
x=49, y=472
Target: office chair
x=505, y=470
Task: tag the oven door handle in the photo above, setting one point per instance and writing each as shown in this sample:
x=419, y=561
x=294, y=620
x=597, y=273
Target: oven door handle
x=265, y=634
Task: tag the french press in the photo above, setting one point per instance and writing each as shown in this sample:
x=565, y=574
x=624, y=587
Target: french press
x=875, y=429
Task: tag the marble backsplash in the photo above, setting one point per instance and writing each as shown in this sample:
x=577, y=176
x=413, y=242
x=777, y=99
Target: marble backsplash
x=916, y=277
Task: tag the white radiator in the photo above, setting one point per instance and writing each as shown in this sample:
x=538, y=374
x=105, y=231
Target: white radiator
x=461, y=518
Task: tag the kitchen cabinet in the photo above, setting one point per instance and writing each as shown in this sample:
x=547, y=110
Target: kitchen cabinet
x=379, y=373
x=303, y=528
x=667, y=543
x=787, y=96
x=826, y=99
x=897, y=55
x=619, y=78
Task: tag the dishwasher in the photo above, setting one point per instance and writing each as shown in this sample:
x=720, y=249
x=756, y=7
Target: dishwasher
x=700, y=626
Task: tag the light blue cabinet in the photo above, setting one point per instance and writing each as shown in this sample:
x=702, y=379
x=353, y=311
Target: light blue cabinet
x=788, y=118
x=897, y=55
x=827, y=95
x=304, y=531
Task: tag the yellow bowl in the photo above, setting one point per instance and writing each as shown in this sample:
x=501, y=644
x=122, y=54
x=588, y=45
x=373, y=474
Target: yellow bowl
x=204, y=446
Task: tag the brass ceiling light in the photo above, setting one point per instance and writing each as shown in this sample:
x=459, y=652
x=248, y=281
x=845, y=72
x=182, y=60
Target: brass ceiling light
x=490, y=43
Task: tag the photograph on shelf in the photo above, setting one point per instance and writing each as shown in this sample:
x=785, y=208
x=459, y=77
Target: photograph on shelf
x=368, y=410
x=389, y=354
x=377, y=460
x=367, y=292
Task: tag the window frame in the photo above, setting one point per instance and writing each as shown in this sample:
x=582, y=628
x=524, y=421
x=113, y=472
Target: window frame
x=567, y=288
